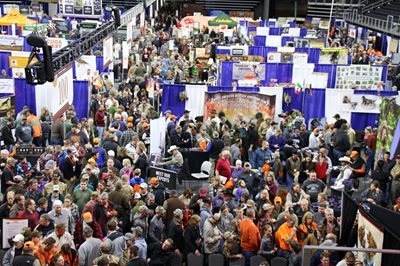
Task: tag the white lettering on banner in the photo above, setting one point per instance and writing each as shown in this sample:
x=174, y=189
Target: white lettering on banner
x=63, y=87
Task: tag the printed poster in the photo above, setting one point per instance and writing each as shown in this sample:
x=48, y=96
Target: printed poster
x=248, y=71
x=12, y=227
x=233, y=103
x=369, y=236
x=360, y=103
x=88, y=7
x=334, y=56
x=360, y=77
x=78, y=7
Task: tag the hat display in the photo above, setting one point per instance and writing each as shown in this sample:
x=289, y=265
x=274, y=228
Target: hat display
x=18, y=238
x=173, y=147
x=87, y=217
x=154, y=181
x=203, y=192
x=345, y=159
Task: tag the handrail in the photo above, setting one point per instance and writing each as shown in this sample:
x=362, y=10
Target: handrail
x=385, y=26
x=374, y=5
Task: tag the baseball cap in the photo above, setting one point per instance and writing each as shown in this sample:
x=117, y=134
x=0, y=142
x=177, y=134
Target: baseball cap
x=203, y=192
x=55, y=175
x=143, y=185
x=273, y=123
x=56, y=188
x=18, y=238
x=267, y=206
x=96, y=141
x=137, y=196
x=336, y=116
x=130, y=125
x=130, y=119
x=353, y=154
x=111, y=153
x=154, y=180
x=160, y=209
x=29, y=245
x=145, y=125
x=277, y=199
x=87, y=217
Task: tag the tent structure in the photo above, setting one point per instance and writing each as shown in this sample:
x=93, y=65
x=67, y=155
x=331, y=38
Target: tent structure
x=14, y=17
x=222, y=19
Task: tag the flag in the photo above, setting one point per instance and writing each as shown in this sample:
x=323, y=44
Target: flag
x=297, y=88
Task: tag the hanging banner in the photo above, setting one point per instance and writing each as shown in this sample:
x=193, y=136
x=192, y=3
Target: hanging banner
x=57, y=94
x=248, y=71
x=360, y=77
x=83, y=65
x=108, y=51
x=233, y=103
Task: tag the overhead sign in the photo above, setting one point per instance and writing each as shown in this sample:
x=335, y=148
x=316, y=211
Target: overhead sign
x=80, y=8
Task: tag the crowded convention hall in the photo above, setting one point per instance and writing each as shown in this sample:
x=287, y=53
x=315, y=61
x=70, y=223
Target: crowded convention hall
x=223, y=133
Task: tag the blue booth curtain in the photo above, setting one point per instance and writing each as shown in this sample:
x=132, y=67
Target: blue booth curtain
x=257, y=51
x=223, y=51
x=81, y=98
x=219, y=88
x=260, y=40
x=170, y=99
x=331, y=70
x=275, y=31
x=282, y=72
x=226, y=69
x=248, y=89
x=286, y=39
x=269, y=49
x=24, y=95
x=100, y=64
x=303, y=32
x=4, y=62
x=297, y=100
x=26, y=47
x=314, y=104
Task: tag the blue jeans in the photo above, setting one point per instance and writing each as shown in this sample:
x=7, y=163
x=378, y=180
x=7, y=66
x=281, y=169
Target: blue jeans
x=247, y=255
x=336, y=156
x=100, y=133
x=57, y=141
x=289, y=182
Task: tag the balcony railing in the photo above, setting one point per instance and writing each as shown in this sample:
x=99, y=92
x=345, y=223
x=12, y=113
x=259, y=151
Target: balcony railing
x=374, y=5
x=385, y=26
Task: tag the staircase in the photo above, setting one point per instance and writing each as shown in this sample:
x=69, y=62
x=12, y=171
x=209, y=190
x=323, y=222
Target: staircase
x=322, y=8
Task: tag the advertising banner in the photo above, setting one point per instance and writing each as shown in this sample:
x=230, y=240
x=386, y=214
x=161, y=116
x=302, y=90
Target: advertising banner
x=233, y=103
x=80, y=8
x=369, y=236
x=248, y=71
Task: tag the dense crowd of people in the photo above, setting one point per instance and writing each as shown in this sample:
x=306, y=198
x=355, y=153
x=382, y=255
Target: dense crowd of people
x=89, y=199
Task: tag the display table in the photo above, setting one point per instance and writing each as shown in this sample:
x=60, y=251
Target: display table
x=194, y=160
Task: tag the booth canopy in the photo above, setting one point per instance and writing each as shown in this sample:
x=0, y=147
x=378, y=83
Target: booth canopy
x=14, y=17
x=222, y=19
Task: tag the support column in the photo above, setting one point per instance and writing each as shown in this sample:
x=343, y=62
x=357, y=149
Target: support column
x=266, y=9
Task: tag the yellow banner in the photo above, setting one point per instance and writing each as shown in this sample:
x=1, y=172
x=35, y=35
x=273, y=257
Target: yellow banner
x=19, y=61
